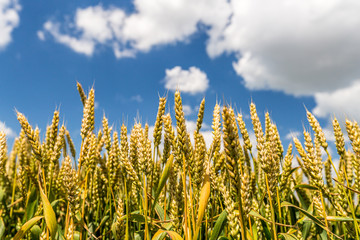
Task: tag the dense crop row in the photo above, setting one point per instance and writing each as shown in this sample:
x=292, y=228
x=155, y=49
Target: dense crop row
x=123, y=185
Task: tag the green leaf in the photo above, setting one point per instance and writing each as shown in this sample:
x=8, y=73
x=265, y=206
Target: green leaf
x=287, y=236
x=24, y=228
x=35, y=232
x=164, y=176
x=137, y=218
x=266, y=229
x=160, y=212
x=324, y=235
x=31, y=204
x=219, y=225
x=56, y=202
x=309, y=215
x=340, y=219
x=306, y=229
x=103, y=220
x=139, y=235
x=76, y=235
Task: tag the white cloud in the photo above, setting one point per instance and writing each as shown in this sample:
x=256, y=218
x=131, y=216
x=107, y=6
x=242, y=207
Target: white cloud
x=9, y=19
x=154, y=23
x=299, y=47
x=92, y=26
x=342, y=102
x=292, y=134
x=41, y=35
x=136, y=98
x=8, y=131
x=82, y=45
x=187, y=81
x=96, y=105
x=187, y=110
x=305, y=47
x=162, y=22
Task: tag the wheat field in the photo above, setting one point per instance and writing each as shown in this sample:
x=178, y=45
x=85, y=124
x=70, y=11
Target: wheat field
x=125, y=184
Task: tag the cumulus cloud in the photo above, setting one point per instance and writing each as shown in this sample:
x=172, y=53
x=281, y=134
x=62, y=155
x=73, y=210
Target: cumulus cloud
x=9, y=19
x=136, y=98
x=152, y=23
x=297, y=47
x=292, y=134
x=82, y=45
x=40, y=35
x=301, y=48
x=187, y=110
x=190, y=81
x=5, y=129
x=342, y=102
x=92, y=26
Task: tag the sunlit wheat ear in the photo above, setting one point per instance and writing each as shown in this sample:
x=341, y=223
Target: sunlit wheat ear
x=3, y=154
x=232, y=154
x=159, y=122
x=259, y=134
x=199, y=158
x=241, y=158
x=339, y=137
x=245, y=193
x=168, y=138
x=119, y=222
x=319, y=134
x=81, y=93
x=319, y=208
x=279, y=146
x=69, y=182
x=71, y=144
x=328, y=175
x=124, y=157
x=88, y=120
x=31, y=135
x=244, y=132
x=314, y=168
x=140, y=148
x=233, y=214
x=216, y=133
x=183, y=139
x=113, y=159
x=200, y=115
x=353, y=131
x=52, y=131
x=106, y=133
x=349, y=156
x=149, y=161
x=286, y=169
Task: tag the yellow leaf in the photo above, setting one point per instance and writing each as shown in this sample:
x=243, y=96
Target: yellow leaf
x=49, y=214
x=24, y=228
x=173, y=235
x=204, y=198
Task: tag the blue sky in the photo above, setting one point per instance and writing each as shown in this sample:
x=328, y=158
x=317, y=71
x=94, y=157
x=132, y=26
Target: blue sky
x=280, y=54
